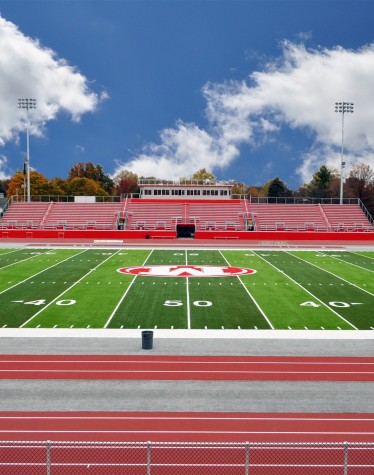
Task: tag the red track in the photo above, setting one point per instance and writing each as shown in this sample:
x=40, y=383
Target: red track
x=187, y=368
x=186, y=427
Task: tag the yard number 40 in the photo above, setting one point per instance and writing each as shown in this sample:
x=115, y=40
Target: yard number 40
x=59, y=302
x=333, y=304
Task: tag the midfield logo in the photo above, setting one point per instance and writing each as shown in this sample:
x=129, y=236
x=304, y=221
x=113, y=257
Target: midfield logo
x=187, y=271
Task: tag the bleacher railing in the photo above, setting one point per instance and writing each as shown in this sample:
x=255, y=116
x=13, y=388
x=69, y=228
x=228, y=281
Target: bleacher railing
x=170, y=458
x=62, y=199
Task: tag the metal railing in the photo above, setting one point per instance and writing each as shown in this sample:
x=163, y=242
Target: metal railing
x=62, y=199
x=171, y=458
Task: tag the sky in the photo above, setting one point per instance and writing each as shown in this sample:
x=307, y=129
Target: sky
x=163, y=88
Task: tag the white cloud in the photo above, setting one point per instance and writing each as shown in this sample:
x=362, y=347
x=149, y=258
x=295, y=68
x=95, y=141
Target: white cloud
x=296, y=91
x=29, y=70
x=4, y=167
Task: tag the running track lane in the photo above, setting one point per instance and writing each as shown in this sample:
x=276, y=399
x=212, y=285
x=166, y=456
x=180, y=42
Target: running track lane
x=114, y=367
x=186, y=427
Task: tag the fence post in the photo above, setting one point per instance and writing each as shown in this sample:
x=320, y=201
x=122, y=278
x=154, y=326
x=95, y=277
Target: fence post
x=247, y=458
x=48, y=455
x=346, y=445
x=148, y=458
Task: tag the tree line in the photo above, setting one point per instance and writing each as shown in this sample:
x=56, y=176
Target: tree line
x=87, y=179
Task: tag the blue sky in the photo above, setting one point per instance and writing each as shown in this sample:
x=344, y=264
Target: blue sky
x=243, y=88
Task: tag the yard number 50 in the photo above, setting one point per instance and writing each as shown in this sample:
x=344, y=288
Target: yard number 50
x=179, y=303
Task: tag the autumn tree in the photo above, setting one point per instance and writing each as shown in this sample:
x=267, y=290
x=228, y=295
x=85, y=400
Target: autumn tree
x=360, y=184
x=59, y=186
x=203, y=175
x=92, y=172
x=85, y=187
x=126, y=182
x=77, y=171
x=39, y=184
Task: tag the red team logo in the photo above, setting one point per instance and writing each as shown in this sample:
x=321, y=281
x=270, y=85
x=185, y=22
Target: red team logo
x=187, y=271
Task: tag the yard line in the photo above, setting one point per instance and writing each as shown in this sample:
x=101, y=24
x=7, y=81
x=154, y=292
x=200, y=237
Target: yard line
x=347, y=262
x=23, y=260
x=328, y=272
x=361, y=255
x=64, y=292
x=9, y=252
x=188, y=298
x=306, y=290
x=47, y=268
x=250, y=295
x=124, y=295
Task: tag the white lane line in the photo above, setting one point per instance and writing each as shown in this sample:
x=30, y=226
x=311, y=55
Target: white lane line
x=322, y=363
x=152, y=431
x=307, y=291
x=125, y=294
x=250, y=295
x=141, y=371
x=191, y=418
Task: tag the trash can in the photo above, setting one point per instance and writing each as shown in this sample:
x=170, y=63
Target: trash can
x=147, y=340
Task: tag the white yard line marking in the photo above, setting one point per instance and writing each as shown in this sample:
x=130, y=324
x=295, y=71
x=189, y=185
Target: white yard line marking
x=307, y=291
x=23, y=260
x=250, y=295
x=188, y=298
x=349, y=263
x=47, y=268
x=125, y=294
x=361, y=255
x=331, y=273
x=67, y=290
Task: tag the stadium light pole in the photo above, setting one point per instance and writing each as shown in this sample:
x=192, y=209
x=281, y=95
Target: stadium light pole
x=342, y=108
x=27, y=104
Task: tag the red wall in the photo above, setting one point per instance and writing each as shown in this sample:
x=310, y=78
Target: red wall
x=213, y=235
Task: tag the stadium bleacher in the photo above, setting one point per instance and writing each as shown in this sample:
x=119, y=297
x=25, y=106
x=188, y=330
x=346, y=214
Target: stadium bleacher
x=346, y=218
x=60, y=215
x=288, y=217
x=212, y=215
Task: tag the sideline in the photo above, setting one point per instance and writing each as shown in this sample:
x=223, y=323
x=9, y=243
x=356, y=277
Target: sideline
x=188, y=334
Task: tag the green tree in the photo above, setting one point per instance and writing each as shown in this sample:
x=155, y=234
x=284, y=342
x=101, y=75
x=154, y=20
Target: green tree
x=275, y=188
x=319, y=187
x=105, y=181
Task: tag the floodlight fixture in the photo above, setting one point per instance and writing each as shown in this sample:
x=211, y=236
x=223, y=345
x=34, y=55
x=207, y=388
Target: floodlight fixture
x=27, y=104
x=342, y=108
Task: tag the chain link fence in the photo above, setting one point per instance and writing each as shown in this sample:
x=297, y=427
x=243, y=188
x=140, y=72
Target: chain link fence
x=164, y=458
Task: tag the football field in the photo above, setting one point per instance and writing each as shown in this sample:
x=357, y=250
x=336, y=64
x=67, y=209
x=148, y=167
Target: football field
x=186, y=289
